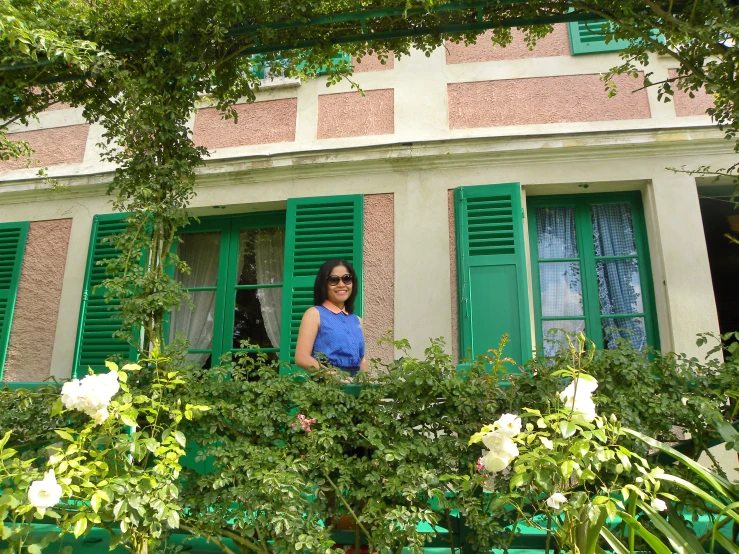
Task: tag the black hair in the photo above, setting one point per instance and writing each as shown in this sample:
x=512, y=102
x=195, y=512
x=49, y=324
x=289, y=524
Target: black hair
x=320, y=287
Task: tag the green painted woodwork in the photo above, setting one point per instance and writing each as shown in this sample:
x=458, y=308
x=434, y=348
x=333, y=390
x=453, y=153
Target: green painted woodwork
x=491, y=265
x=587, y=260
x=586, y=37
x=229, y=229
x=99, y=319
x=318, y=229
x=12, y=248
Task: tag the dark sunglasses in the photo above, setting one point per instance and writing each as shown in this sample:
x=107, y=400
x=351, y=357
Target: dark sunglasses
x=347, y=279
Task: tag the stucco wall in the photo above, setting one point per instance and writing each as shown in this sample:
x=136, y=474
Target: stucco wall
x=685, y=105
x=544, y=100
x=61, y=145
x=453, y=277
x=373, y=63
x=554, y=44
x=37, y=305
x=258, y=123
x=349, y=114
x=379, y=274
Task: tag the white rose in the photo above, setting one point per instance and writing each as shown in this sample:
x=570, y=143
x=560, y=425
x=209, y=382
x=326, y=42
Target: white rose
x=501, y=451
x=92, y=394
x=45, y=493
x=556, y=500
x=659, y=504
x=71, y=394
x=100, y=416
x=579, y=401
x=509, y=424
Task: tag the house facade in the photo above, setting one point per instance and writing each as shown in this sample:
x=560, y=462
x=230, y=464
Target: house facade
x=479, y=191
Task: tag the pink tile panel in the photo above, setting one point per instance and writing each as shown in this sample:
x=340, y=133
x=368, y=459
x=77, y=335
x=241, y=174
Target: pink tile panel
x=37, y=306
x=539, y=100
x=372, y=63
x=349, y=114
x=379, y=274
x=555, y=43
x=685, y=105
x=258, y=123
x=57, y=146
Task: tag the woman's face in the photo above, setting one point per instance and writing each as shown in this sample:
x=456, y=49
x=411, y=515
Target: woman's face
x=340, y=293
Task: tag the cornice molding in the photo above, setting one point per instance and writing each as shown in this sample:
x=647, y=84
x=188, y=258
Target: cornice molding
x=703, y=142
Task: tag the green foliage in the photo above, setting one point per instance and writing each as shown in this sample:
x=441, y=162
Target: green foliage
x=390, y=456
x=573, y=476
x=675, y=392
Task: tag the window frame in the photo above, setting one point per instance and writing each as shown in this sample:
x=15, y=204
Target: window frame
x=587, y=258
x=229, y=227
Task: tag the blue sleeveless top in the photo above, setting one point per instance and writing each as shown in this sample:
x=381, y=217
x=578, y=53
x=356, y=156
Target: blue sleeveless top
x=340, y=339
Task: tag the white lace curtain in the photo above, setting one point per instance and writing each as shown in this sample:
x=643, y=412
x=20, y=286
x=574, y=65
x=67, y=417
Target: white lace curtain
x=269, y=254
x=200, y=251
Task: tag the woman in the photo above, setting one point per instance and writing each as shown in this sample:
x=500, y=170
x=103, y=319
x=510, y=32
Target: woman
x=330, y=327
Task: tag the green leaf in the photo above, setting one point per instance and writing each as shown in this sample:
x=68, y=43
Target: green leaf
x=127, y=420
x=613, y=542
x=657, y=545
x=64, y=434
x=34, y=549
x=717, y=483
x=79, y=527
x=180, y=438
x=95, y=502
x=679, y=543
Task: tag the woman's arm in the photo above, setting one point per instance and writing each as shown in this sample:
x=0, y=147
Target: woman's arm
x=306, y=338
x=363, y=363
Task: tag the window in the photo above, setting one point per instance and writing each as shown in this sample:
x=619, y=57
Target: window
x=12, y=248
x=587, y=37
x=235, y=282
x=591, y=270
x=251, y=279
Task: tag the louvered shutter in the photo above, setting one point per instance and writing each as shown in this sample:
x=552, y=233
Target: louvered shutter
x=586, y=37
x=99, y=319
x=492, y=270
x=318, y=229
x=12, y=247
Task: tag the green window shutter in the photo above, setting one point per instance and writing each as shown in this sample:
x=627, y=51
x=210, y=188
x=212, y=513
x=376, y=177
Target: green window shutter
x=586, y=37
x=99, y=319
x=12, y=247
x=491, y=266
x=318, y=229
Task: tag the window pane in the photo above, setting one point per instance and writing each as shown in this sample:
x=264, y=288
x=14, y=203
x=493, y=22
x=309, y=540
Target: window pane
x=261, y=256
x=561, y=290
x=630, y=329
x=257, y=317
x=196, y=324
x=200, y=251
x=555, y=232
x=553, y=333
x=619, y=287
x=613, y=230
